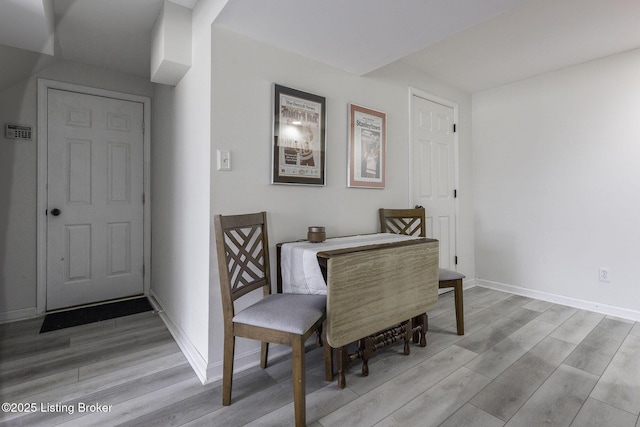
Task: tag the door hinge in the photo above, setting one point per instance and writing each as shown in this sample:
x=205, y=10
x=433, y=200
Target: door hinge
x=455, y=261
x=455, y=194
x=454, y=128
x=144, y=199
x=144, y=128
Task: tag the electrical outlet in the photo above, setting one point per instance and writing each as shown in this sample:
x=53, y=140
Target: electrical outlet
x=604, y=274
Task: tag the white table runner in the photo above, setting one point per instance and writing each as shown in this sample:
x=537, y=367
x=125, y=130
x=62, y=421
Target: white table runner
x=299, y=266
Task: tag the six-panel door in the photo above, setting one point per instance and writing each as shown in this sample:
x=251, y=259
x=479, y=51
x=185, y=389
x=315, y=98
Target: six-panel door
x=95, y=181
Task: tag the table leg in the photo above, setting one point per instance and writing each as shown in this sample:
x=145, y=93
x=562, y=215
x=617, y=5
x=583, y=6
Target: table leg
x=367, y=351
x=407, y=336
x=343, y=363
x=423, y=332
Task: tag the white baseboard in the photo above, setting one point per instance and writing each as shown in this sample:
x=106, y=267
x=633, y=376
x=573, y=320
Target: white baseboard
x=193, y=356
x=208, y=373
x=468, y=283
x=14, y=315
x=560, y=299
x=248, y=360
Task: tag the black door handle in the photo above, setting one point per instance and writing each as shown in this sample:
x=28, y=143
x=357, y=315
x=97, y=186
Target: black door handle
x=55, y=212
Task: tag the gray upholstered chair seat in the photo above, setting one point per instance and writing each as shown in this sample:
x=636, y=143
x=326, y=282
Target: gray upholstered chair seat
x=444, y=275
x=284, y=312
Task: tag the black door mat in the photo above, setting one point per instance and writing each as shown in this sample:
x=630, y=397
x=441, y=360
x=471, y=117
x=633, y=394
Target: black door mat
x=82, y=316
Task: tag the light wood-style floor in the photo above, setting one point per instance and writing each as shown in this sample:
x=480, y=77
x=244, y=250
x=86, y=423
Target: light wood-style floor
x=522, y=362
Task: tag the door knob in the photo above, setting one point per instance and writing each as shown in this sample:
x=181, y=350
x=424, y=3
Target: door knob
x=55, y=212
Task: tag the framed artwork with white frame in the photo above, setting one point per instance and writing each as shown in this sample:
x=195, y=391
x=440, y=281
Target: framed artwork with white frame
x=367, y=148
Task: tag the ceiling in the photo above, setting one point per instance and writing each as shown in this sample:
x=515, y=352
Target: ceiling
x=358, y=36
x=471, y=44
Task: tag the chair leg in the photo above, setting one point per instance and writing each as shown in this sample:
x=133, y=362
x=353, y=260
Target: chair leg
x=328, y=355
x=457, y=294
x=227, y=368
x=319, y=336
x=264, y=352
x=299, y=387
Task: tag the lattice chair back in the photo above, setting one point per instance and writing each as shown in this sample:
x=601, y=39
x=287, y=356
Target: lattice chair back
x=403, y=221
x=245, y=266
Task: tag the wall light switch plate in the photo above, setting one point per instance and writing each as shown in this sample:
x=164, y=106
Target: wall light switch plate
x=224, y=160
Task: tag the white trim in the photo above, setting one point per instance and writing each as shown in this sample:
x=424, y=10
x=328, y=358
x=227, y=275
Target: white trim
x=469, y=283
x=249, y=359
x=453, y=105
x=209, y=373
x=609, y=310
x=12, y=316
x=466, y=284
x=41, y=223
x=191, y=353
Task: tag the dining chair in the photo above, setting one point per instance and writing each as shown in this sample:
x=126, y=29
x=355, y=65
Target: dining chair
x=288, y=319
x=412, y=222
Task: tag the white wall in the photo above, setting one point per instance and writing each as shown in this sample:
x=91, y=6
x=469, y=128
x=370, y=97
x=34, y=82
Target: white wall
x=556, y=182
x=243, y=72
x=181, y=191
x=18, y=178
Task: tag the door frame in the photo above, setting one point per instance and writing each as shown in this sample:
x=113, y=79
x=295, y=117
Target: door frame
x=447, y=103
x=42, y=140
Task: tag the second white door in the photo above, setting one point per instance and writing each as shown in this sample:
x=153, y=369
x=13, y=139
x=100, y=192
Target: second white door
x=95, y=247
x=433, y=164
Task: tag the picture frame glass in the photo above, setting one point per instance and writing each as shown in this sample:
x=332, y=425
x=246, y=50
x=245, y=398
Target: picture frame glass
x=367, y=147
x=299, y=143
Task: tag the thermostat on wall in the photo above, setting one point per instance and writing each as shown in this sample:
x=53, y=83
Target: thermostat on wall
x=17, y=131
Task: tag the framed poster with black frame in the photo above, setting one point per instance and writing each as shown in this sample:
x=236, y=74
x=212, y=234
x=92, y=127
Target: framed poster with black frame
x=299, y=137
x=367, y=148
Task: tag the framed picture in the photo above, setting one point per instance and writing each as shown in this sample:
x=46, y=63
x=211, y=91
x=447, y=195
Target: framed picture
x=298, y=137
x=367, y=148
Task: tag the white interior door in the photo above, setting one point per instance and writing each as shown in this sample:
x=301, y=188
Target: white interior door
x=433, y=157
x=95, y=199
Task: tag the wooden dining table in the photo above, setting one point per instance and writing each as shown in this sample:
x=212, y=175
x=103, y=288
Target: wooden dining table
x=375, y=285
